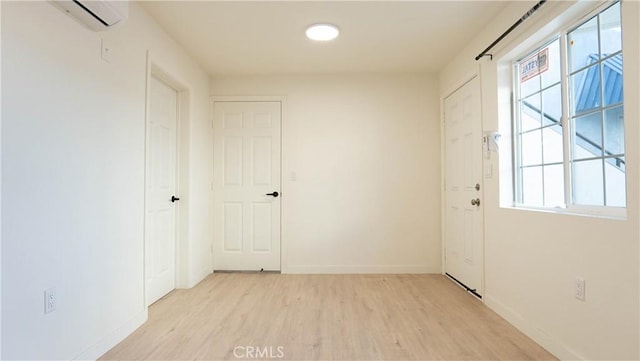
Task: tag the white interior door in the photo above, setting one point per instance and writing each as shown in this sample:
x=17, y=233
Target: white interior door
x=464, y=242
x=160, y=179
x=247, y=170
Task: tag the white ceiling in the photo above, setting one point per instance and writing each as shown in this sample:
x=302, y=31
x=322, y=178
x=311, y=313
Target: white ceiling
x=250, y=38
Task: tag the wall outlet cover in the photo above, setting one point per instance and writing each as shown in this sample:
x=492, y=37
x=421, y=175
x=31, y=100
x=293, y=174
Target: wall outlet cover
x=580, y=289
x=50, y=300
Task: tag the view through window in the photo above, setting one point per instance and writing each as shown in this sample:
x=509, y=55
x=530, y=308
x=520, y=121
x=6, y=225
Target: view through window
x=569, y=126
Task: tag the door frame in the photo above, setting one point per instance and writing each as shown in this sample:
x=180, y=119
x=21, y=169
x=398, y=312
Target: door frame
x=154, y=69
x=457, y=85
x=282, y=99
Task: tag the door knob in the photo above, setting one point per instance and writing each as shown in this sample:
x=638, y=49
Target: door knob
x=174, y=198
x=274, y=194
x=475, y=202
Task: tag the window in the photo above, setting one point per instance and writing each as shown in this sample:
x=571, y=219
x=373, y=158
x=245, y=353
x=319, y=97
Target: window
x=569, y=126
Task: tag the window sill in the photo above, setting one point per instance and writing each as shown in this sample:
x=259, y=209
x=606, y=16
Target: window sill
x=611, y=213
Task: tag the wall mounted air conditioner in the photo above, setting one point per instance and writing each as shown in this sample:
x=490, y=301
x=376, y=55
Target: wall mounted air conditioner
x=97, y=15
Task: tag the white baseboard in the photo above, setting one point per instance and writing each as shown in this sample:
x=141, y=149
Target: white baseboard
x=113, y=338
x=199, y=276
x=360, y=269
x=529, y=328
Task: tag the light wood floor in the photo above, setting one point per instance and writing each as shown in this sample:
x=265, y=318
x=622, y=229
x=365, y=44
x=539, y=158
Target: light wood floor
x=325, y=317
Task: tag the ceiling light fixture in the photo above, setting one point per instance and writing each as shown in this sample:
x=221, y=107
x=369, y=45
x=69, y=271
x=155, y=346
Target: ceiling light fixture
x=322, y=32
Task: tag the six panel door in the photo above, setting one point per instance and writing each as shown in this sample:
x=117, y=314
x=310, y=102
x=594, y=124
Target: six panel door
x=246, y=175
x=464, y=249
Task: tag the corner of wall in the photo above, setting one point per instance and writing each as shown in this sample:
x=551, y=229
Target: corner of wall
x=528, y=328
x=113, y=338
x=199, y=276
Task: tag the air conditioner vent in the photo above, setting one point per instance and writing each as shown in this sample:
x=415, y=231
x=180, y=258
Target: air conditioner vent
x=97, y=15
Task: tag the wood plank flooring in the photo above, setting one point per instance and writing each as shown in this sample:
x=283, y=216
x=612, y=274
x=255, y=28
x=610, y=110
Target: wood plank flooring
x=233, y=316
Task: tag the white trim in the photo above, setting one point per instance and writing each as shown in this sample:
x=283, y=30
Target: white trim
x=284, y=164
x=529, y=328
x=113, y=338
x=335, y=269
x=612, y=213
x=443, y=188
x=248, y=98
x=483, y=184
x=462, y=81
x=147, y=115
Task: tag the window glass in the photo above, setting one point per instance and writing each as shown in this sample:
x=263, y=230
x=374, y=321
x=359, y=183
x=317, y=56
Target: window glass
x=531, y=190
x=614, y=131
x=592, y=114
x=554, y=73
x=552, y=144
x=588, y=182
x=554, y=185
x=552, y=105
x=587, y=137
x=610, y=30
x=532, y=148
x=541, y=130
x=586, y=93
x=597, y=112
x=615, y=180
x=584, y=45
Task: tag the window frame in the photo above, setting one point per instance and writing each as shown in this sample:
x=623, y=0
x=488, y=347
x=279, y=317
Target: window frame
x=569, y=207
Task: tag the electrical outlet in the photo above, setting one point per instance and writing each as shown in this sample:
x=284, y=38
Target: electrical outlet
x=579, y=289
x=50, y=300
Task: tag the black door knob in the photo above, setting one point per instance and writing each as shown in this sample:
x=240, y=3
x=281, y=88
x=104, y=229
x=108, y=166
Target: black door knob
x=174, y=198
x=274, y=194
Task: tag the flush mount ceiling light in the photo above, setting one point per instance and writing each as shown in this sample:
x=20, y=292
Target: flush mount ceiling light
x=322, y=32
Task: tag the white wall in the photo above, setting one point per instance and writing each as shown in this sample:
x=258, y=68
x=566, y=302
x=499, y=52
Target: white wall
x=0, y=197
x=532, y=258
x=73, y=178
x=365, y=149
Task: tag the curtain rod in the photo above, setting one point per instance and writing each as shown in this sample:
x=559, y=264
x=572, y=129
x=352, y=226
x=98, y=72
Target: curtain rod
x=515, y=25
